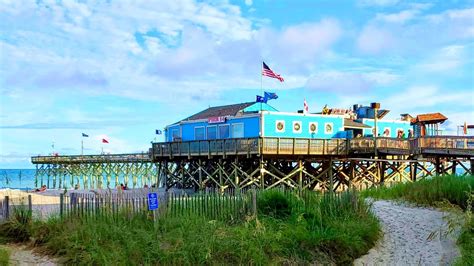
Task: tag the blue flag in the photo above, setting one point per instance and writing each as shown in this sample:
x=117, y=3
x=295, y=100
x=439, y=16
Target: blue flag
x=158, y=132
x=261, y=99
x=85, y=135
x=271, y=95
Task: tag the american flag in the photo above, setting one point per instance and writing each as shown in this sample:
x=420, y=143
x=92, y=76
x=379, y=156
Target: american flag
x=266, y=71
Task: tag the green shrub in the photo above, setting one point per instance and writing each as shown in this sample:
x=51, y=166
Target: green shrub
x=18, y=227
x=274, y=203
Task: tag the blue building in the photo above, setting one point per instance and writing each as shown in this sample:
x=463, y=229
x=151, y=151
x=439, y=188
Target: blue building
x=252, y=119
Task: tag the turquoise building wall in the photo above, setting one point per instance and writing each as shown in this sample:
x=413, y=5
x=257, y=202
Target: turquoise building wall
x=392, y=125
x=271, y=120
x=251, y=127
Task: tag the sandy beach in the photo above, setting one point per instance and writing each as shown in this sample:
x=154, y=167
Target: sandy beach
x=21, y=197
x=407, y=237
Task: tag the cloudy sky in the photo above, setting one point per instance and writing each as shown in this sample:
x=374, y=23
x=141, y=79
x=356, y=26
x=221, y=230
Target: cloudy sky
x=120, y=70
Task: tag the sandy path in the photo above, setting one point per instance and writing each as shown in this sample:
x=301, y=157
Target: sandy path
x=22, y=255
x=406, y=237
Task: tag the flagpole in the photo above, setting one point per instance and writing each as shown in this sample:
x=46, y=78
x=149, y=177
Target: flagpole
x=82, y=146
x=261, y=84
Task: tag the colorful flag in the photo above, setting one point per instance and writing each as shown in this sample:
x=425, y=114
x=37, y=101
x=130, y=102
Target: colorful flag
x=261, y=99
x=305, y=107
x=465, y=128
x=105, y=141
x=158, y=132
x=85, y=135
x=271, y=95
x=266, y=71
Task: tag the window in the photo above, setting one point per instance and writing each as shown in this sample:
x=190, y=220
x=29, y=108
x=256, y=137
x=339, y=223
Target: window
x=280, y=126
x=313, y=127
x=224, y=131
x=175, y=134
x=328, y=128
x=211, y=132
x=238, y=130
x=199, y=133
x=297, y=127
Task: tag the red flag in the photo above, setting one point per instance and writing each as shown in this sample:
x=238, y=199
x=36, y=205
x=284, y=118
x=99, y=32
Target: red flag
x=465, y=128
x=306, y=108
x=105, y=141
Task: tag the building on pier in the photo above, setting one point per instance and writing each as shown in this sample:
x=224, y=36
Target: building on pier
x=252, y=119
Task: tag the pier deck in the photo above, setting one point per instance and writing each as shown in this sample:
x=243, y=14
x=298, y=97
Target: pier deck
x=315, y=164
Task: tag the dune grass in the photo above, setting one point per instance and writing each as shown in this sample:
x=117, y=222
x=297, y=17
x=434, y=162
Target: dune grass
x=4, y=256
x=438, y=191
x=288, y=229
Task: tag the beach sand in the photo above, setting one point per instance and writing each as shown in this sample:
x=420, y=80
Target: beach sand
x=18, y=197
x=411, y=236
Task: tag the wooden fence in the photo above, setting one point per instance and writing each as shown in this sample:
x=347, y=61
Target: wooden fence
x=232, y=205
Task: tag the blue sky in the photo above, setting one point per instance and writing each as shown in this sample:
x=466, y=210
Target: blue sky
x=120, y=70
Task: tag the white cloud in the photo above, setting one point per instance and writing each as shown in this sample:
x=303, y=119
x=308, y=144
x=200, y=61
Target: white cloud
x=380, y=3
x=419, y=97
x=375, y=39
x=248, y=2
x=411, y=31
x=448, y=58
x=299, y=46
x=401, y=17
x=336, y=82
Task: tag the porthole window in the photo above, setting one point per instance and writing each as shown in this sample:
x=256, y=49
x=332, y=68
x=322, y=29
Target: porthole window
x=280, y=126
x=328, y=128
x=313, y=127
x=296, y=126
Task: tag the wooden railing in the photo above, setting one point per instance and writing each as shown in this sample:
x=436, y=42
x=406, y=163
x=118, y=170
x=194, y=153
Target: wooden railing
x=280, y=146
x=72, y=159
x=207, y=147
x=443, y=144
x=292, y=146
x=367, y=144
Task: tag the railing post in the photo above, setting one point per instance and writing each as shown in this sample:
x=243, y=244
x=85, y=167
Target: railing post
x=324, y=146
x=278, y=145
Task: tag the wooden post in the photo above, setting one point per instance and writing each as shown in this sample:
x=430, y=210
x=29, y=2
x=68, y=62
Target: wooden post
x=30, y=204
x=201, y=187
x=300, y=180
x=7, y=207
x=381, y=172
x=413, y=167
x=61, y=205
x=262, y=174
x=472, y=166
x=438, y=166
x=453, y=167
x=330, y=174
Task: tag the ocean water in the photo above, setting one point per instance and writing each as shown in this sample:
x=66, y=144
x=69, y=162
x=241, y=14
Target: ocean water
x=23, y=179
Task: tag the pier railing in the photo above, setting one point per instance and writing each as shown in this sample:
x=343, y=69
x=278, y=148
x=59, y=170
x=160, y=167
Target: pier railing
x=77, y=159
x=441, y=145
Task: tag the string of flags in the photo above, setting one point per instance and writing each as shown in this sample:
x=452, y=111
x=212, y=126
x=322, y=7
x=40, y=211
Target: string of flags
x=84, y=135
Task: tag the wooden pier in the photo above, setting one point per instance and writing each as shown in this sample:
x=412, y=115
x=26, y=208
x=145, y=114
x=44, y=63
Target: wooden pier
x=315, y=164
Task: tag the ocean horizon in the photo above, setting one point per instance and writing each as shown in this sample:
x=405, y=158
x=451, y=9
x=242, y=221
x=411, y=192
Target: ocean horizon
x=23, y=179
